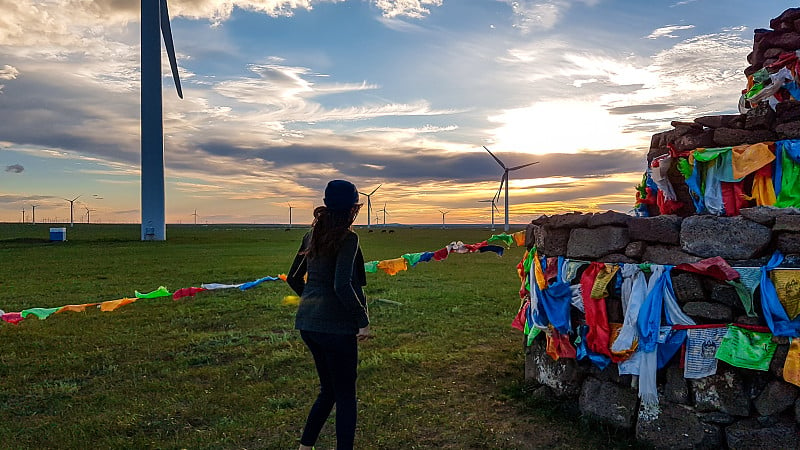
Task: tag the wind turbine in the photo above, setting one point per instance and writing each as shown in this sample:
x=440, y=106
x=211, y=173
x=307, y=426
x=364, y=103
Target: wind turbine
x=87, y=213
x=290, y=213
x=443, y=214
x=155, y=22
x=369, y=204
x=23, y=215
x=71, y=207
x=195, y=217
x=384, y=214
x=506, y=170
x=33, y=210
x=494, y=206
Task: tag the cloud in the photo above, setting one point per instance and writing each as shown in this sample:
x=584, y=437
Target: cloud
x=15, y=168
x=413, y=9
x=668, y=30
x=8, y=72
x=537, y=15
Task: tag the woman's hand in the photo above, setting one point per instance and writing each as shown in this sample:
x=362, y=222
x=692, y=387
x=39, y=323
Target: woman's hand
x=363, y=333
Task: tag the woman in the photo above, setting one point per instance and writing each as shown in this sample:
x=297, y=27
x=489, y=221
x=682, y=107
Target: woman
x=332, y=316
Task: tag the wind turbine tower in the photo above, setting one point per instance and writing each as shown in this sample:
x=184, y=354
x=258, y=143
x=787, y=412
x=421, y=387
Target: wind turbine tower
x=23, y=216
x=369, y=204
x=195, y=216
x=155, y=23
x=384, y=214
x=444, y=212
x=88, y=211
x=493, y=207
x=33, y=210
x=71, y=208
x=506, y=170
x=290, y=214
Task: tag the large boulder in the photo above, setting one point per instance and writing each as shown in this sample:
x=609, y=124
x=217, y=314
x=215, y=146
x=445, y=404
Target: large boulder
x=562, y=376
x=665, y=254
x=711, y=312
x=724, y=137
x=687, y=286
x=777, y=397
x=665, y=229
x=677, y=427
x=728, y=237
x=749, y=434
x=608, y=218
x=721, y=392
x=608, y=402
x=550, y=241
x=595, y=243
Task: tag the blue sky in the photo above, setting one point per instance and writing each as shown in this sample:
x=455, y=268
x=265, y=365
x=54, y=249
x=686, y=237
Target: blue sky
x=283, y=95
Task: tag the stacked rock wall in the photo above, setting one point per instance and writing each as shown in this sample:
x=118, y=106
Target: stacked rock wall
x=736, y=408
x=759, y=122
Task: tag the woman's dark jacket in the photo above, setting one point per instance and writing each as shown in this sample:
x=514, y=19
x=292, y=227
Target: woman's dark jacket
x=332, y=299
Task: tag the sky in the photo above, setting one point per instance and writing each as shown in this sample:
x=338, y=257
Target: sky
x=281, y=96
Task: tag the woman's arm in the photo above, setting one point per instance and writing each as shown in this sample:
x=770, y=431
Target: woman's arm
x=296, y=277
x=342, y=283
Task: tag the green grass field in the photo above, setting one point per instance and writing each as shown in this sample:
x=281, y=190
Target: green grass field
x=225, y=369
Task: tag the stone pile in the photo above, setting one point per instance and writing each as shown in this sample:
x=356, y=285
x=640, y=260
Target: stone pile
x=759, y=123
x=734, y=408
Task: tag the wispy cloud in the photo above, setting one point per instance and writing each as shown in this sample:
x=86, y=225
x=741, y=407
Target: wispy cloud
x=15, y=168
x=541, y=15
x=668, y=31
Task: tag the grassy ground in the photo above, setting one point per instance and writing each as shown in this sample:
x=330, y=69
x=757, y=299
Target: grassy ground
x=226, y=369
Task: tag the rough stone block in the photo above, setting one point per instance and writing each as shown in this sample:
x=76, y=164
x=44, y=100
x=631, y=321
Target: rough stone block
x=750, y=435
x=719, y=121
x=677, y=427
x=723, y=293
x=728, y=237
x=635, y=250
x=787, y=222
x=529, y=235
x=695, y=140
x=618, y=258
x=562, y=376
x=788, y=243
x=665, y=229
x=608, y=403
x=777, y=397
x=724, y=137
x=608, y=218
x=761, y=117
x=787, y=112
x=688, y=287
x=778, y=360
x=568, y=220
x=676, y=389
x=665, y=254
x=788, y=130
x=721, y=392
x=765, y=215
x=596, y=242
x=717, y=417
x=551, y=241
x=713, y=312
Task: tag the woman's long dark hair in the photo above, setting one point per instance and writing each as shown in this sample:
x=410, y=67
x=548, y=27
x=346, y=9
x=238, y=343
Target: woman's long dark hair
x=329, y=229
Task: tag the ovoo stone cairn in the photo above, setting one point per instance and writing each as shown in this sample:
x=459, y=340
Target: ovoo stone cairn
x=736, y=408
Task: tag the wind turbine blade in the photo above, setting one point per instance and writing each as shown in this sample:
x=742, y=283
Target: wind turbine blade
x=166, y=30
x=495, y=158
x=500, y=189
x=373, y=191
x=524, y=165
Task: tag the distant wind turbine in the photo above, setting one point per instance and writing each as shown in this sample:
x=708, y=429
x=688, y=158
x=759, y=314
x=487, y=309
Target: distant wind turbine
x=369, y=204
x=384, y=213
x=290, y=213
x=504, y=179
x=195, y=217
x=155, y=22
x=88, y=211
x=33, y=210
x=493, y=207
x=23, y=215
x=443, y=214
x=71, y=208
